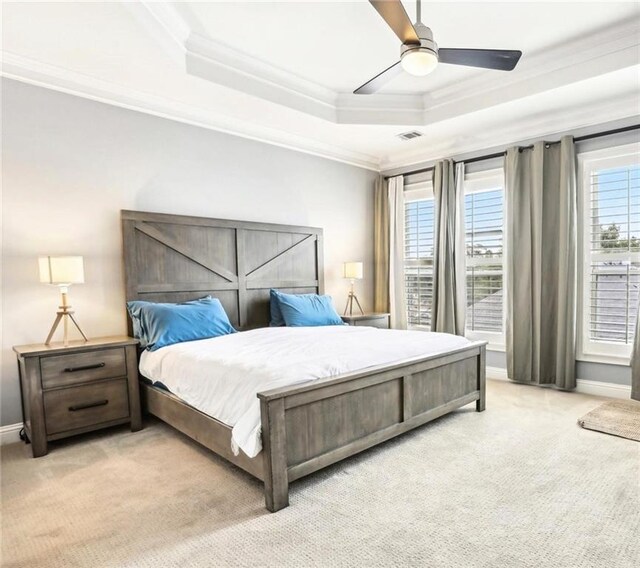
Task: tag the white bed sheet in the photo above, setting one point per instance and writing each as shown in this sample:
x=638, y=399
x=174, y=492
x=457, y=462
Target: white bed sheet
x=221, y=376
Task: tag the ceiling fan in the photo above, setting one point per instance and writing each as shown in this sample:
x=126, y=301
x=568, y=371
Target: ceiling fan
x=419, y=54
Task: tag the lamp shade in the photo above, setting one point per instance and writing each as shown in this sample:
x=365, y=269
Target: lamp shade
x=63, y=270
x=354, y=270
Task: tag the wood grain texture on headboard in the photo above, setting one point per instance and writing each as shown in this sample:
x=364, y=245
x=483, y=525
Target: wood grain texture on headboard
x=173, y=258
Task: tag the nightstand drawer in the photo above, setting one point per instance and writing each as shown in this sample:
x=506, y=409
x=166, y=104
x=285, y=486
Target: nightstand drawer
x=379, y=320
x=382, y=323
x=78, y=407
x=64, y=370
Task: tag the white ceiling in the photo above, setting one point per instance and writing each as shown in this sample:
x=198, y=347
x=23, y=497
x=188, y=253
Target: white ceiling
x=341, y=45
x=283, y=72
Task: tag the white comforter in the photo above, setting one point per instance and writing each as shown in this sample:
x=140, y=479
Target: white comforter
x=221, y=376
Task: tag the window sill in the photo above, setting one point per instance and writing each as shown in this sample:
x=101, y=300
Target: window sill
x=495, y=341
x=619, y=360
x=497, y=347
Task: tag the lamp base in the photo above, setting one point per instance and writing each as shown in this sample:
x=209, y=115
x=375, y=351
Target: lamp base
x=65, y=313
x=349, y=307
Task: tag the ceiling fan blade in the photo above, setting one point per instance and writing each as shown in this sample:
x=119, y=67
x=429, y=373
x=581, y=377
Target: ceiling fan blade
x=379, y=80
x=501, y=59
x=393, y=12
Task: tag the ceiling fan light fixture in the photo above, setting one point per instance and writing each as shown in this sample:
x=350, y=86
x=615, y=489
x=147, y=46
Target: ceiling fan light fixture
x=419, y=61
x=420, y=54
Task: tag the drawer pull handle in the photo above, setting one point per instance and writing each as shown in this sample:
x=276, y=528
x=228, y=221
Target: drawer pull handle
x=77, y=407
x=84, y=367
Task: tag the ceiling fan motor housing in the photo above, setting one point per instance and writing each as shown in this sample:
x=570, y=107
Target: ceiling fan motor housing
x=426, y=41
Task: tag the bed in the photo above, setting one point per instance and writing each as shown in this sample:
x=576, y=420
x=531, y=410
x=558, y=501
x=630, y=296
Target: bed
x=304, y=426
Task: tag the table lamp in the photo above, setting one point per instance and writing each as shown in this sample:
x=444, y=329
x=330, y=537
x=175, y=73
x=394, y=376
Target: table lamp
x=354, y=271
x=62, y=271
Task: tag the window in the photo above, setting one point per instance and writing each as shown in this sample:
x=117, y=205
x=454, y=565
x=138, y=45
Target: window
x=418, y=253
x=610, y=226
x=484, y=221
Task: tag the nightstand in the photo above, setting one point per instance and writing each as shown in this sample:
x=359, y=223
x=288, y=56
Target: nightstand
x=78, y=388
x=371, y=320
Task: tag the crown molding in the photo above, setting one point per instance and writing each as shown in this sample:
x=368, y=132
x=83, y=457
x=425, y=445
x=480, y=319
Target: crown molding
x=33, y=72
x=398, y=110
x=577, y=50
x=605, y=51
x=56, y=78
x=220, y=64
x=580, y=58
x=534, y=127
x=251, y=67
x=214, y=61
x=164, y=23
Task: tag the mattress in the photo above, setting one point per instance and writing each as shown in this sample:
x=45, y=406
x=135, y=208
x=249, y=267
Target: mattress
x=222, y=376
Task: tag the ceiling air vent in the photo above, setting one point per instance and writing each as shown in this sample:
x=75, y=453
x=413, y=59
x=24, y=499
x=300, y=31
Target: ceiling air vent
x=410, y=135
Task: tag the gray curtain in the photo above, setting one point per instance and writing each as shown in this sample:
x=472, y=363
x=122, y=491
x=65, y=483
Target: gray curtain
x=449, y=287
x=635, y=361
x=381, y=247
x=541, y=205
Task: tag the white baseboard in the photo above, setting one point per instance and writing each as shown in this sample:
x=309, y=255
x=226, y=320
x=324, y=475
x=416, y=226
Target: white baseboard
x=10, y=434
x=497, y=373
x=596, y=388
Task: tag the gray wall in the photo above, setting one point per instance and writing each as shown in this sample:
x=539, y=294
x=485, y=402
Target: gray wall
x=70, y=165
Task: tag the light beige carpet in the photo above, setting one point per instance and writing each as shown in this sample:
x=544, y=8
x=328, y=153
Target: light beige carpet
x=520, y=485
x=617, y=417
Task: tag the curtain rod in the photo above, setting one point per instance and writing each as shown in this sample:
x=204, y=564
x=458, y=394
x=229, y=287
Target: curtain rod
x=500, y=154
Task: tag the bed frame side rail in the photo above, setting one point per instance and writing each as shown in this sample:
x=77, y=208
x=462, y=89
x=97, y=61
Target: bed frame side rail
x=308, y=427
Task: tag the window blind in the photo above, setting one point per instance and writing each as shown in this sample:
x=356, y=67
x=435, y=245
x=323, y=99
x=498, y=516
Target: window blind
x=418, y=260
x=613, y=218
x=484, y=219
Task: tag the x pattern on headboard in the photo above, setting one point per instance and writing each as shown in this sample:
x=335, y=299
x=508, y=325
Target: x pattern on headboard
x=173, y=258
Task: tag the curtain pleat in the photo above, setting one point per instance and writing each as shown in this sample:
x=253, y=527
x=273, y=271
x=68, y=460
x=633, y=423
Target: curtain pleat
x=397, y=299
x=541, y=240
x=381, y=247
x=449, y=285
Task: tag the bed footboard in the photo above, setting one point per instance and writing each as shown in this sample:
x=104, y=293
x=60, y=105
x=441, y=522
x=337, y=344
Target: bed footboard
x=311, y=426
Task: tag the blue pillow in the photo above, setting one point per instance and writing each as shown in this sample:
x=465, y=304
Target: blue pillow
x=274, y=308
x=307, y=310
x=158, y=325
x=137, y=312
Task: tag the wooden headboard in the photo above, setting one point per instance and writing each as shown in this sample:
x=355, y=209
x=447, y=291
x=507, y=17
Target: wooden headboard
x=173, y=258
